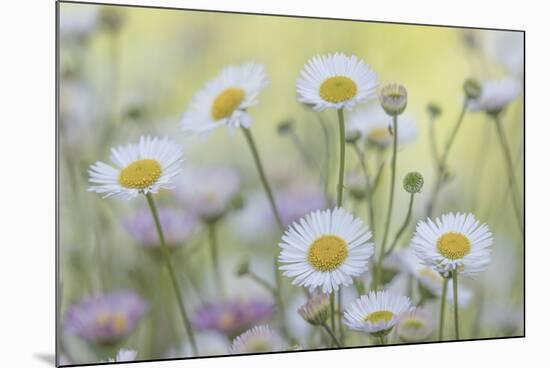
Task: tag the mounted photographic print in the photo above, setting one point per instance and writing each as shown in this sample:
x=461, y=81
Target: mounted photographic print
x=233, y=184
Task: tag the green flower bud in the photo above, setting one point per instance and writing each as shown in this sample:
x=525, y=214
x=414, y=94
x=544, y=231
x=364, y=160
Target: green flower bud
x=285, y=127
x=413, y=182
x=434, y=109
x=243, y=268
x=472, y=89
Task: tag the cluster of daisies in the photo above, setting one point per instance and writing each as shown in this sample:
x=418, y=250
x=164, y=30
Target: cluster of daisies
x=325, y=251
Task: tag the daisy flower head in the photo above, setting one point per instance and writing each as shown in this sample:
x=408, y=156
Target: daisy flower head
x=377, y=312
x=325, y=249
x=496, y=95
x=258, y=339
x=414, y=326
x=225, y=99
x=141, y=168
x=335, y=81
x=233, y=317
x=316, y=310
x=106, y=318
x=430, y=282
x=455, y=241
x=375, y=126
x=393, y=99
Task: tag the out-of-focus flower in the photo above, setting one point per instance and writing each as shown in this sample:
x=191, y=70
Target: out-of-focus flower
x=325, y=249
x=232, y=318
x=377, y=312
x=507, y=49
x=429, y=280
x=208, y=192
x=503, y=317
x=77, y=111
x=256, y=216
x=414, y=326
x=77, y=22
x=335, y=81
x=105, y=318
x=177, y=226
x=142, y=168
x=293, y=204
x=496, y=95
x=124, y=355
x=374, y=125
x=258, y=339
x=393, y=99
x=454, y=242
x=225, y=99
x=316, y=310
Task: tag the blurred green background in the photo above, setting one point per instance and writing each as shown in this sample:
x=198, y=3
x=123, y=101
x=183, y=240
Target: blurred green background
x=126, y=72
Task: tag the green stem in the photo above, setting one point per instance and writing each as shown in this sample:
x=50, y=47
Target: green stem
x=332, y=335
x=339, y=314
x=442, y=308
x=455, y=301
x=262, y=282
x=173, y=278
x=370, y=205
x=213, y=240
x=263, y=178
x=332, y=312
x=342, y=128
x=510, y=166
x=382, y=340
x=378, y=274
x=433, y=144
x=443, y=163
x=403, y=227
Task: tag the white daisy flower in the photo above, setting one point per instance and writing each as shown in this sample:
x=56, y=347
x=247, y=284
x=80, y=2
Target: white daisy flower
x=453, y=241
x=377, y=312
x=141, y=168
x=431, y=280
x=374, y=126
x=496, y=95
x=326, y=249
x=225, y=99
x=335, y=81
x=258, y=339
x=414, y=326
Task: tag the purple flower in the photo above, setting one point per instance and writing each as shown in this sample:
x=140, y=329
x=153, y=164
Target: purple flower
x=293, y=205
x=105, y=318
x=176, y=225
x=232, y=318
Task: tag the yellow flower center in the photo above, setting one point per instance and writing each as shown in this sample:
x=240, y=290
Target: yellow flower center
x=338, y=89
x=258, y=345
x=227, y=102
x=379, y=134
x=227, y=320
x=327, y=253
x=140, y=174
x=413, y=324
x=116, y=321
x=453, y=245
x=379, y=316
